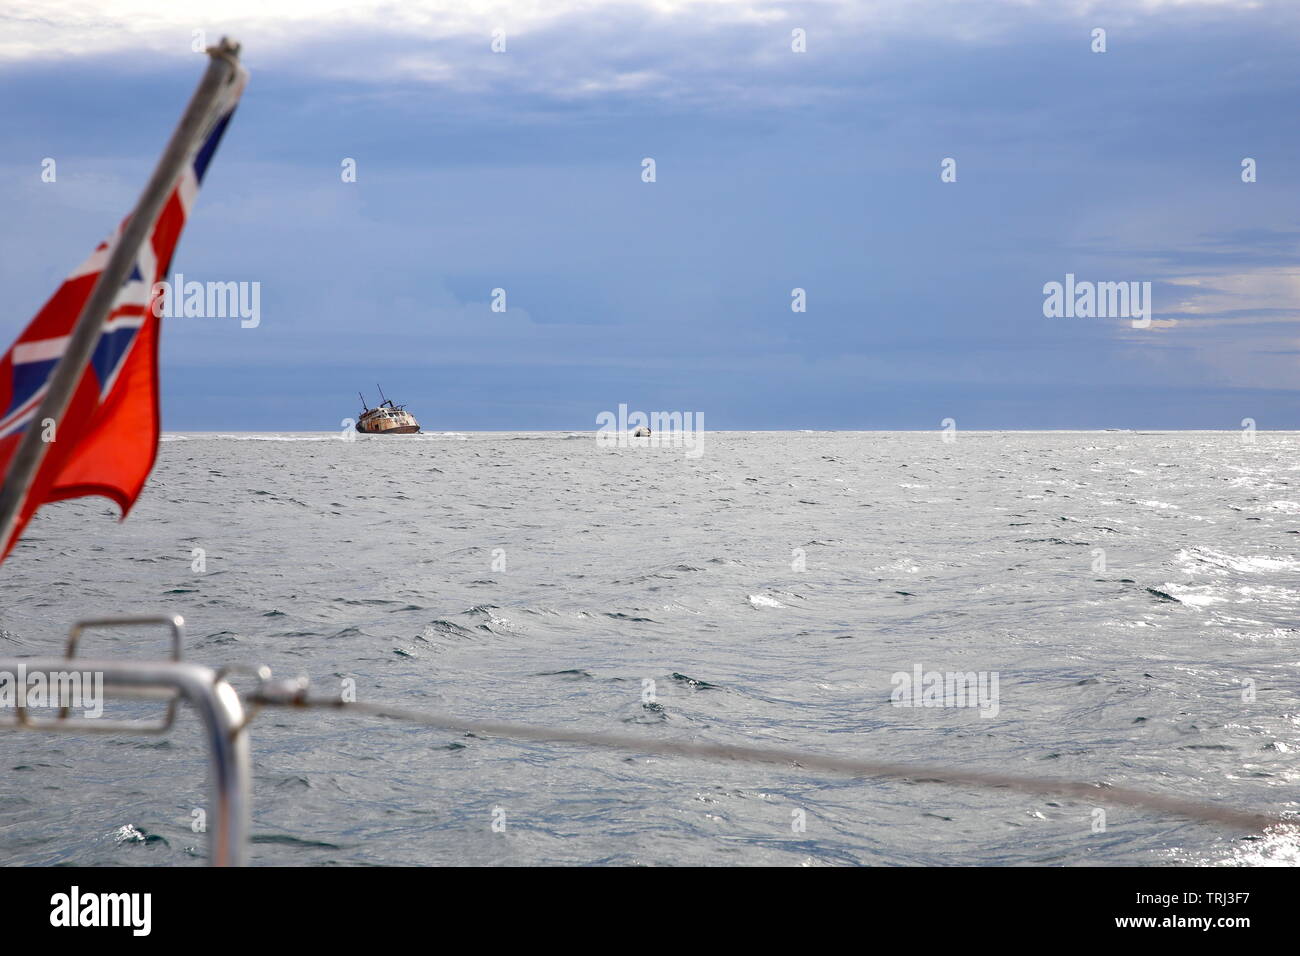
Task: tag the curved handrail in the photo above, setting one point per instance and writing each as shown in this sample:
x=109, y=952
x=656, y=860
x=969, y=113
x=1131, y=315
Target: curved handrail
x=212, y=698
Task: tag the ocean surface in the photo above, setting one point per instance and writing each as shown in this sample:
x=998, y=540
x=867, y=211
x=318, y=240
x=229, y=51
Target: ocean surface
x=1135, y=595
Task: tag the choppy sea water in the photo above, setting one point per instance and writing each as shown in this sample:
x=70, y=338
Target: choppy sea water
x=769, y=588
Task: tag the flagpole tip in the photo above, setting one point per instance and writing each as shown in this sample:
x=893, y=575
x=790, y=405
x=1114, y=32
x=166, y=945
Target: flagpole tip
x=227, y=48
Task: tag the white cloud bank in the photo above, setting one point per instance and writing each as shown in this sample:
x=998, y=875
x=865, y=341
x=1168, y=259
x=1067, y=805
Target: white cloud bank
x=58, y=30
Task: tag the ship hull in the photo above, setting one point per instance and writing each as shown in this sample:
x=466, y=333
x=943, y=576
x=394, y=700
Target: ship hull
x=396, y=430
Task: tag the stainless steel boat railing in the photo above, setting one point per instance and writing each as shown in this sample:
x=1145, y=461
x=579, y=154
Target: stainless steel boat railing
x=203, y=688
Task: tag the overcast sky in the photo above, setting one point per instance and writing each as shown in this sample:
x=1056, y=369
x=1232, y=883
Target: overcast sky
x=775, y=170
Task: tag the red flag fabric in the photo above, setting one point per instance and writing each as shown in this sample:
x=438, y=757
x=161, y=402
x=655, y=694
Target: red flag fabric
x=107, y=440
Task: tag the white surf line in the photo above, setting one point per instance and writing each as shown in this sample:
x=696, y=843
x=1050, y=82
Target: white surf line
x=1044, y=786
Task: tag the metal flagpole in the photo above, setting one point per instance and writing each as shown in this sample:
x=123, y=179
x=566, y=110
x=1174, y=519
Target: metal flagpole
x=222, y=69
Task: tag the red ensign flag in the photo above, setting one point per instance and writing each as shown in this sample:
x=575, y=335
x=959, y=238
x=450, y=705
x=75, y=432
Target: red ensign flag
x=106, y=441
